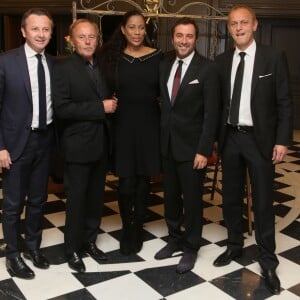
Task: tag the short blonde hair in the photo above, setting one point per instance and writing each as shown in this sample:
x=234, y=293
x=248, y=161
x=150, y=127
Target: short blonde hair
x=236, y=7
x=80, y=21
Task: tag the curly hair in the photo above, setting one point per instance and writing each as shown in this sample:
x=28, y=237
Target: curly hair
x=111, y=51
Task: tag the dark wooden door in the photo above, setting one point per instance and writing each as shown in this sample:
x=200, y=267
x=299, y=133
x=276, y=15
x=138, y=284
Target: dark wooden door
x=285, y=34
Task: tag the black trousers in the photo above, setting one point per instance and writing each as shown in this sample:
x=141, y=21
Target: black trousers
x=183, y=191
x=241, y=152
x=84, y=186
x=133, y=194
x=26, y=182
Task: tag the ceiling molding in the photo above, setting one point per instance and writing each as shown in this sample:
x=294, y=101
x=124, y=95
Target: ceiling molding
x=20, y=6
x=267, y=8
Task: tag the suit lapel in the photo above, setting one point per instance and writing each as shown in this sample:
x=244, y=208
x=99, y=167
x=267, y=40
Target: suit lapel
x=189, y=75
x=22, y=64
x=258, y=68
x=79, y=65
x=190, y=72
x=166, y=75
x=227, y=70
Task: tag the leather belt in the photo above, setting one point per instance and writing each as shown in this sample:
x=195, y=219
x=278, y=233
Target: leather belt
x=241, y=128
x=41, y=130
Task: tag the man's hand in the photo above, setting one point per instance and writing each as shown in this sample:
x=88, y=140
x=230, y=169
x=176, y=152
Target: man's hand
x=200, y=161
x=279, y=153
x=110, y=105
x=5, y=160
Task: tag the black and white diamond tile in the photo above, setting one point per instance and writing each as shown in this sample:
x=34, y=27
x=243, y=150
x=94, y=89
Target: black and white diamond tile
x=140, y=276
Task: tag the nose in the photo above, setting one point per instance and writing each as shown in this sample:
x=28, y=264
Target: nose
x=41, y=32
x=183, y=39
x=87, y=40
x=238, y=26
x=137, y=31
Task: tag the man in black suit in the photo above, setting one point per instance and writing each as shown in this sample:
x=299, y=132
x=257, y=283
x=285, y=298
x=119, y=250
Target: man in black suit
x=25, y=141
x=80, y=103
x=189, y=117
x=255, y=137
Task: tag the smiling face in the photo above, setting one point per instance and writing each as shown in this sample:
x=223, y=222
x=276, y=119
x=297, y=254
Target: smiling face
x=242, y=24
x=134, y=31
x=84, y=38
x=184, y=40
x=37, y=31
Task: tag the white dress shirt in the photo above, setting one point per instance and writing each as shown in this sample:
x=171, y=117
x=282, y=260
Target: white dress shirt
x=245, y=117
x=186, y=62
x=32, y=63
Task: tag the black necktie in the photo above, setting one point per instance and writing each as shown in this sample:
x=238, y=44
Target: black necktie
x=42, y=93
x=176, y=82
x=236, y=94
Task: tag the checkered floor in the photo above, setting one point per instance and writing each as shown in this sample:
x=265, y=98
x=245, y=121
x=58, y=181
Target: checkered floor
x=140, y=276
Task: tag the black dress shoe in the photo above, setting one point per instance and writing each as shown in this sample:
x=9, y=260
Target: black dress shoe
x=17, y=267
x=186, y=262
x=226, y=257
x=137, y=244
x=167, y=251
x=37, y=258
x=272, y=281
x=76, y=263
x=92, y=250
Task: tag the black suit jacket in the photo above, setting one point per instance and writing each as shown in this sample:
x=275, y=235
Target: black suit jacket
x=15, y=101
x=189, y=126
x=78, y=104
x=271, y=99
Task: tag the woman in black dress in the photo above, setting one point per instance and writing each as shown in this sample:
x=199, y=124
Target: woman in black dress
x=132, y=70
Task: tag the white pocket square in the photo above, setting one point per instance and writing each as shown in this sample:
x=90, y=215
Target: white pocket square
x=267, y=75
x=195, y=81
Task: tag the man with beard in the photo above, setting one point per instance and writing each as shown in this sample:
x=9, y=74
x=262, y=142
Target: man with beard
x=189, y=88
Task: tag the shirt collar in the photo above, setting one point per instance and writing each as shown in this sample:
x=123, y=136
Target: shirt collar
x=86, y=62
x=187, y=59
x=30, y=52
x=249, y=51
